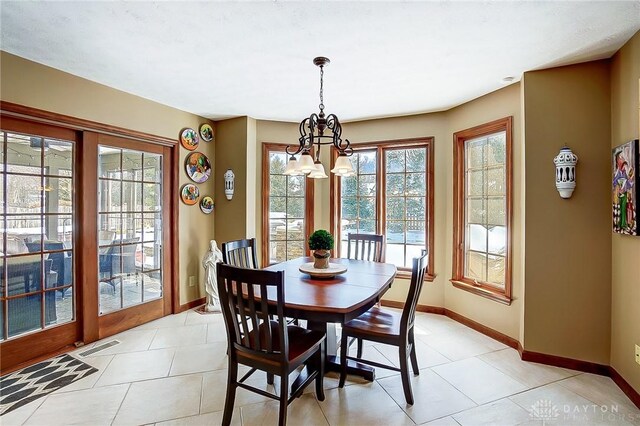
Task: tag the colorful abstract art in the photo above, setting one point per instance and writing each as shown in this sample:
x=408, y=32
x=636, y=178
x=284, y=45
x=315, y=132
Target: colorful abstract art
x=206, y=132
x=189, y=139
x=625, y=188
x=189, y=194
x=198, y=167
x=206, y=204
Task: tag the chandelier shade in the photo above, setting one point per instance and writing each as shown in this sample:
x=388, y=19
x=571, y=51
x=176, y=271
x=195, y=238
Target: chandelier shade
x=319, y=129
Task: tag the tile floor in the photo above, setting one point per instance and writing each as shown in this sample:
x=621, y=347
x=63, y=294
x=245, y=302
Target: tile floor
x=173, y=372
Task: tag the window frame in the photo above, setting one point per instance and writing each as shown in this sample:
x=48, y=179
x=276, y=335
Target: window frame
x=458, y=278
x=268, y=148
x=381, y=147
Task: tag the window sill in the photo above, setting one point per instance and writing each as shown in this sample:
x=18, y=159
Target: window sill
x=406, y=275
x=482, y=291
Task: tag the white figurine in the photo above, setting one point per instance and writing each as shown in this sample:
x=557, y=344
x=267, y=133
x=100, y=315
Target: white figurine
x=213, y=256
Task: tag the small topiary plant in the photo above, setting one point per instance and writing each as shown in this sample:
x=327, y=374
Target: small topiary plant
x=321, y=240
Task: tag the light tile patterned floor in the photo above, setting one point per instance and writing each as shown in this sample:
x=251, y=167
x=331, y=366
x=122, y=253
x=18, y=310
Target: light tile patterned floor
x=173, y=372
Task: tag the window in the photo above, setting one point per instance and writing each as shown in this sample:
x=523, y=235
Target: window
x=482, y=210
x=287, y=218
x=36, y=214
x=390, y=194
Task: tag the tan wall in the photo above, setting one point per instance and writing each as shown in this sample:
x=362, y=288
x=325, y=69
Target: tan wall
x=231, y=153
x=28, y=83
x=568, y=245
x=499, y=104
x=625, y=277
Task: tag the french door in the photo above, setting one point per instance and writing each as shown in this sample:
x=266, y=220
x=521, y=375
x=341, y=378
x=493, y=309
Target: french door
x=132, y=233
x=39, y=239
x=86, y=236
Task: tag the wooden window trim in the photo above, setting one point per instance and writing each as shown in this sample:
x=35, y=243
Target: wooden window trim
x=267, y=148
x=381, y=147
x=458, y=279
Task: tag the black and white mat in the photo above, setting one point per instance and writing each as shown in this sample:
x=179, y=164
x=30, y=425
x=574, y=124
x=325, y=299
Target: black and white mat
x=26, y=385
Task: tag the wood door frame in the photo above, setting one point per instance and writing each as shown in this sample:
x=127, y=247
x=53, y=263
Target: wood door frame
x=43, y=342
x=115, y=322
x=36, y=345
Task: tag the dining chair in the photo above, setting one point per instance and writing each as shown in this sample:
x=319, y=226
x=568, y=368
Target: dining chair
x=389, y=327
x=262, y=343
x=241, y=253
x=365, y=247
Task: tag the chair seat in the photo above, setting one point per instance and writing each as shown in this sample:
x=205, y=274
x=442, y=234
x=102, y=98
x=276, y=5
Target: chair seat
x=376, y=321
x=301, y=340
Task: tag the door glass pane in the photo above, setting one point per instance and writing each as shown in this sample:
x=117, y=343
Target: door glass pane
x=129, y=232
x=37, y=216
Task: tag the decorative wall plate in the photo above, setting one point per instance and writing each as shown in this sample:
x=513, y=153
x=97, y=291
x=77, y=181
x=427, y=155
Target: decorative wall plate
x=189, y=139
x=333, y=270
x=189, y=194
x=206, y=204
x=206, y=132
x=198, y=167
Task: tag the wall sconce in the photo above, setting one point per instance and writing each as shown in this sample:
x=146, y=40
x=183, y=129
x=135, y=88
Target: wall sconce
x=229, y=183
x=565, y=163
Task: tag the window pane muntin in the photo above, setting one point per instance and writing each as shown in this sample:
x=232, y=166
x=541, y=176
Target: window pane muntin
x=485, y=206
x=405, y=176
x=28, y=269
x=131, y=196
x=286, y=237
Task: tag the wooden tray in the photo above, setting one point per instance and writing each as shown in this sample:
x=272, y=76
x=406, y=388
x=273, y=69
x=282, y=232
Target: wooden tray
x=333, y=270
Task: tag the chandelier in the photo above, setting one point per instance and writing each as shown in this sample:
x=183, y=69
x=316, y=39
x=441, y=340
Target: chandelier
x=319, y=130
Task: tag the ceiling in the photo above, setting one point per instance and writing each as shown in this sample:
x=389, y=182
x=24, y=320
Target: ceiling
x=224, y=59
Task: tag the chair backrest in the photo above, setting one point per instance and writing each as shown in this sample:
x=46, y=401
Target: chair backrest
x=129, y=247
x=243, y=297
x=240, y=253
x=365, y=247
x=418, y=272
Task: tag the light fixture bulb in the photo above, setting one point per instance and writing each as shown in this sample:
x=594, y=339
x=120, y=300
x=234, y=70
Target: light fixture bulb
x=306, y=163
x=293, y=167
x=318, y=172
x=342, y=166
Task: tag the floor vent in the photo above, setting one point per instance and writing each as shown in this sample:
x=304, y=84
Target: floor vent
x=99, y=348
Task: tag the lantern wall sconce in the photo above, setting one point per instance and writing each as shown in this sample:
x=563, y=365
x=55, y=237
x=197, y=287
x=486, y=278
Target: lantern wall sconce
x=229, y=183
x=565, y=163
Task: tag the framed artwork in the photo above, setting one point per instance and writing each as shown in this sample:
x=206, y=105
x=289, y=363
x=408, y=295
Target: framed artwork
x=189, y=139
x=206, y=132
x=189, y=194
x=206, y=204
x=625, y=188
x=198, y=167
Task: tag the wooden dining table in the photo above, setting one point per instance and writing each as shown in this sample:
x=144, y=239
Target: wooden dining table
x=325, y=302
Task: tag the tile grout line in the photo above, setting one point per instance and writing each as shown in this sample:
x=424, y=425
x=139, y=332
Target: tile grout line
x=396, y=402
x=121, y=403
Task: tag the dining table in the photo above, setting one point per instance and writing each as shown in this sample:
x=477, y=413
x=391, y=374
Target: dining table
x=325, y=302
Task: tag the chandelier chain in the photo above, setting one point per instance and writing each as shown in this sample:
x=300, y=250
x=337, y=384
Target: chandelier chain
x=321, y=88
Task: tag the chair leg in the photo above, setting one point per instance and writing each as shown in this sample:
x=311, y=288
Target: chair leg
x=284, y=396
x=232, y=383
x=360, y=348
x=414, y=357
x=404, y=373
x=269, y=378
x=343, y=359
x=319, y=357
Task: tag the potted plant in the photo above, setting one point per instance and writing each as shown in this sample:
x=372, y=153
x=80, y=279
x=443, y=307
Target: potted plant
x=321, y=242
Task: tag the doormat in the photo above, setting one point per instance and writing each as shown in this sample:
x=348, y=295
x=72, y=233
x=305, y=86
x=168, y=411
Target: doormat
x=26, y=385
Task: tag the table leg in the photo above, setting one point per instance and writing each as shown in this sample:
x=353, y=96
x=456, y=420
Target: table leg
x=332, y=360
